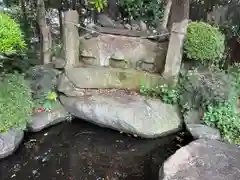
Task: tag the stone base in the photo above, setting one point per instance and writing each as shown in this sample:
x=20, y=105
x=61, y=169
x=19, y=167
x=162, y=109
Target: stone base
x=136, y=115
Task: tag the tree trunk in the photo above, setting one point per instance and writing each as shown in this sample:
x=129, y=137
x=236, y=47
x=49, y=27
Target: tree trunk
x=24, y=15
x=166, y=14
x=45, y=34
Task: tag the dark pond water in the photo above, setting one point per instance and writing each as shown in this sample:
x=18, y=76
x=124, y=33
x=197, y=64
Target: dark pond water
x=82, y=151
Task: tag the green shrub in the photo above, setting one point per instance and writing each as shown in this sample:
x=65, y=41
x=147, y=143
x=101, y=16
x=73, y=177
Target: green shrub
x=11, y=37
x=225, y=118
x=15, y=102
x=204, y=42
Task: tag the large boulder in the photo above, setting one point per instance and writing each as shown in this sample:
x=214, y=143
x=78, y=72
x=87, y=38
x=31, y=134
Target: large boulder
x=203, y=160
x=103, y=78
x=137, y=52
x=9, y=141
x=148, y=118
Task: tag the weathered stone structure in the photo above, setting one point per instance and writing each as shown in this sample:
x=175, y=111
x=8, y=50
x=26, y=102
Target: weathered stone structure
x=124, y=52
x=123, y=48
x=112, y=61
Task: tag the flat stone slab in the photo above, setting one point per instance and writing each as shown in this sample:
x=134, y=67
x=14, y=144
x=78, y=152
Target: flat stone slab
x=9, y=142
x=147, y=118
x=201, y=131
x=103, y=78
x=203, y=160
x=46, y=119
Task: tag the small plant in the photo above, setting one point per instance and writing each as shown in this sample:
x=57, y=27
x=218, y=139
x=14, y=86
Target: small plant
x=50, y=100
x=15, y=102
x=166, y=93
x=12, y=40
x=204, y=42
x=99, y=5
x=47, y=103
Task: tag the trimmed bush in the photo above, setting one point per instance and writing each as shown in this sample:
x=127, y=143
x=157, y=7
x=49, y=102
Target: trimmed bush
x=15, y=102
x=204, y=42
x=11, y=37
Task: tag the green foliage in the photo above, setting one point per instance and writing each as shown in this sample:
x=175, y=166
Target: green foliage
x=11, y=37
x=15, y=102
x=225, y=118
x=148, y=11
x=204, y=42
x=167, y=94
x=48, y=102
x=99, y=5
x=216, y=94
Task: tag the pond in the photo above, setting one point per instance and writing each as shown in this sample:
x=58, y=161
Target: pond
x=81, y=151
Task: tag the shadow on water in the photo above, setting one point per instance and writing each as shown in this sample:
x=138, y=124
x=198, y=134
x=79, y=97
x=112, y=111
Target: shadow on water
x=82, y=151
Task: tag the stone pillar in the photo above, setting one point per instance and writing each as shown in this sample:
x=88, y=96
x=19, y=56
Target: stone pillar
x=175, y=51
x=71, y=37
x=179, y=11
